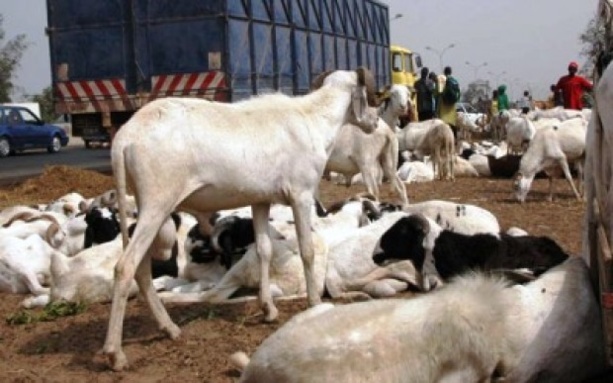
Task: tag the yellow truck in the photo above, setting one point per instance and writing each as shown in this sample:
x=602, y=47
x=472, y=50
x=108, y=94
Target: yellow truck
x=404, y=64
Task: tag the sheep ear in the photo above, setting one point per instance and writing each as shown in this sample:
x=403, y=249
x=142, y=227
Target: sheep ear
x=367, y=80
x=54, y=235
x=359, y=102
x=422, y=222
x=68, y=210
x=83, y=206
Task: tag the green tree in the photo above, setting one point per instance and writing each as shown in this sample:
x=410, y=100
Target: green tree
x=11, y=52
x=45, y=101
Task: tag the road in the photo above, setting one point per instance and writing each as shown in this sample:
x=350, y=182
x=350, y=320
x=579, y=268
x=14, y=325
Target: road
x=31, y=163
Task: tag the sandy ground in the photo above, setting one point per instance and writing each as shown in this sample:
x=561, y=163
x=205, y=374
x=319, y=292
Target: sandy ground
x=66, y=349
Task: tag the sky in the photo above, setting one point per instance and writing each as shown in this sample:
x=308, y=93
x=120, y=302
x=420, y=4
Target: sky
x=527, y=44
x=531, y=41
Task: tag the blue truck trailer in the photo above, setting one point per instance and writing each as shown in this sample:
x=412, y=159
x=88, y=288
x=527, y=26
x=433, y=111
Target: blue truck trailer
x=109, y=58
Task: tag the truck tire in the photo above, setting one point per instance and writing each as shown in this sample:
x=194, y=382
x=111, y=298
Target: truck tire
x=55, y=146
x=5, y=147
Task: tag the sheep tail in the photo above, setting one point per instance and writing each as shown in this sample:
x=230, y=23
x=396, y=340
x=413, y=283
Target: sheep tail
x=240, y=360
x=119, y=173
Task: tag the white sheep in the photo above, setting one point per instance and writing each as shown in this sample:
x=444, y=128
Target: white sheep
x=24, y=224
x=352, y=272
x=416, y=171
x=24, y=264
x=460, y=218
x=88, y=276
x=477, y=329
x=519, y=133
x=200, y=157
x=286, y=270
x=67, y=204
x=464, y=168
x=434, y=138
x=358, y=152
x=558, y=112
x=552, y=149
x=7, y=214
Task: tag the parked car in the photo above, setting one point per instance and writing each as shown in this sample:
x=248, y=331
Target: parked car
x=21, y=130
x=469, y=111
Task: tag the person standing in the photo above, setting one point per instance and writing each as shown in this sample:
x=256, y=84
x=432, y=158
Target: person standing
x=572, y=87
x=525, y=103
x=493, y=110
x=425, y=89
x=556, y=98
x=503, y=99
x=449, y=96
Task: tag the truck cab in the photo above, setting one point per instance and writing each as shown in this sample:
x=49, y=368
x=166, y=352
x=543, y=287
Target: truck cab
x=404, y=65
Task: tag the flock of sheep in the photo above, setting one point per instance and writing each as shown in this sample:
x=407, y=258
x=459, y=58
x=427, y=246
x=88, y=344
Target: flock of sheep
x=189, y=238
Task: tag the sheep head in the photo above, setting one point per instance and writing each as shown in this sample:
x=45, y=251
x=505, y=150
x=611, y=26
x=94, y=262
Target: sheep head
x=363, y=95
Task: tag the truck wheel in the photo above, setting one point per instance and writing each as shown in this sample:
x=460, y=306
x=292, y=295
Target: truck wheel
x=88, y=144
x=55, y=146
x=5, y=147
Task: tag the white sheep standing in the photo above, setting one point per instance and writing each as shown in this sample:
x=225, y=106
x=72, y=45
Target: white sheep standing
x=367, y=153
x=434, y=138
x=552, y=149
x=200, y=157
x=519, y=133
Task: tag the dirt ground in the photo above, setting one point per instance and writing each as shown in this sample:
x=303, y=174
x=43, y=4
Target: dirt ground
x=67, y=349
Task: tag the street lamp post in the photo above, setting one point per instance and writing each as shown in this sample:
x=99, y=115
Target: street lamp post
x=440, y=54
x=496, y=77
x=476, y=67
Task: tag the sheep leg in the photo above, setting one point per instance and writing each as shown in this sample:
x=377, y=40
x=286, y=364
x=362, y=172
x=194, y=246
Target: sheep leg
x=301, y=207
x=370, y=181
x=402, y=270
x=385, y=288
x=125, y=269
x=564, y=165
x=550, y=198
x=145, y=284
x=263, y=244
x=451, y=160
x=579, y=168
x=389, y=164
x=31, y=280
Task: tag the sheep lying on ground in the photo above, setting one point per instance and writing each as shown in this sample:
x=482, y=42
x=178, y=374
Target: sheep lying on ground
x=24, y=264
x=477, y=329
x=454, y=253
x=88, y=276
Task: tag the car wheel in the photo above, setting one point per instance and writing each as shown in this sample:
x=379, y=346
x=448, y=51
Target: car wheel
x=88, y=144
x=55, y=146
x=5, y=147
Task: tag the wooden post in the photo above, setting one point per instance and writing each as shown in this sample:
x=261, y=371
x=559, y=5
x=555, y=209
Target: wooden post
x=604, y=263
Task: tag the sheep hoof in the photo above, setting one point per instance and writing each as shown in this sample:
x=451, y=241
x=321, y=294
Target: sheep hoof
x=270, y=313
x=117, y=360
x=173, y=331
